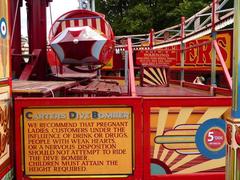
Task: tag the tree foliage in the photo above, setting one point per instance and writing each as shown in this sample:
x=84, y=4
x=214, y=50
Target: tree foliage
x=139, y=16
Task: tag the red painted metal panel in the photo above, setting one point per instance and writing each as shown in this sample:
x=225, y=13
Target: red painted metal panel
x=149, y=103
x=197, y=51
x=146, y=142
x=198, y=176
x=36, y=13
x=135, y=103
x=187, y=102
x=142, y=133
x=94, y=23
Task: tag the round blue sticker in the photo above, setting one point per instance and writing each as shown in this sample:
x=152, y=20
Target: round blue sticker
x=3, y=28
x=210, y=138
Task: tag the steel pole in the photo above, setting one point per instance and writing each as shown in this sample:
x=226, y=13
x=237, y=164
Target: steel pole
x=182, y=49
x=93, y=5
x=214, y=37
x=233, y=124
x=151, y=38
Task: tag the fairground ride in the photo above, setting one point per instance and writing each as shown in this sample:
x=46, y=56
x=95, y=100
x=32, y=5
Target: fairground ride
x=62, y=117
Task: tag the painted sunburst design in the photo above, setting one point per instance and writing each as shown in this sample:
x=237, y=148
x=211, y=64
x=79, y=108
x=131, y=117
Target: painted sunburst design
x=183, y=156
x=154, y=76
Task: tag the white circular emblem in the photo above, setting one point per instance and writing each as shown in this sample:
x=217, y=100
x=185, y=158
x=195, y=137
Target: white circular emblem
x=3, y=28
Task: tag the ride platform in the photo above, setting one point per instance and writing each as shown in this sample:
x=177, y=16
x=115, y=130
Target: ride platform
x=97, y=88
x=171, y=91
x=40, y=88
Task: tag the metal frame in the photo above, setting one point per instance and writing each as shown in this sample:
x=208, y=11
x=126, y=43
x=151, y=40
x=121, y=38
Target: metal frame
x=224, y=18
x=218, y=19
x=31, y=66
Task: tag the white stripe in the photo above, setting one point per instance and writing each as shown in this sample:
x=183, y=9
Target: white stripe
x=60, y=37
x=72, y=23
x=98, y=22
x=106, y=30
x=97, y=47
x=80, y=22
x=161, y=123
x=63, y=25
x=59, y=51
x=164, y=75
x=89, y=22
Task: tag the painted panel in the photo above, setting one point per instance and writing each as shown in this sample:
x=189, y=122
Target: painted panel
x=187, y=140
x=198, y=56
x=4, y=40
x=154, y=76
x=5, y=106
x=80, y=141
x=233, y=149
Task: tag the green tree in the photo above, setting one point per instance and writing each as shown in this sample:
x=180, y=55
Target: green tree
x=186, y=8
x=137, y=19
x=139, y=16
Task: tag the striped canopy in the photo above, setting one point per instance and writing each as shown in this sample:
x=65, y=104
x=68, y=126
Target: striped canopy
x=82, y=37
x=82, y=45
x=78, y=18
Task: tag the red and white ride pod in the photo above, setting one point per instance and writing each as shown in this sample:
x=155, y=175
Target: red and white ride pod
x=82, y=37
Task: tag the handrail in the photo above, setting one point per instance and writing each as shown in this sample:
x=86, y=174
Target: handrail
x=14, y=22
x=28, y=69
x=132, y=86
x=225, y=69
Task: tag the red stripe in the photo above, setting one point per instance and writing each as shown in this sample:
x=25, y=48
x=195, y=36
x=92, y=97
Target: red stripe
x=68, y=24
x=85, y=22
x=76, y=23
x=102, y=22
x=94, y=23
x=59, y=29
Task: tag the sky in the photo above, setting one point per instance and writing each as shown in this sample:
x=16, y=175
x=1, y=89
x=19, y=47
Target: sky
x=58, y=7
